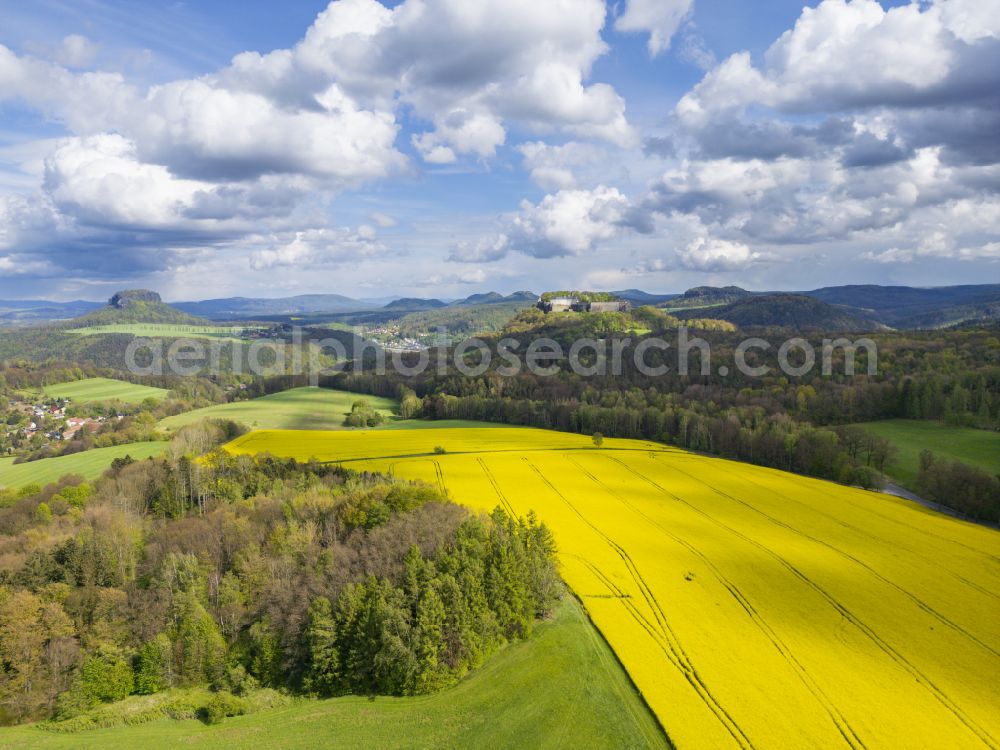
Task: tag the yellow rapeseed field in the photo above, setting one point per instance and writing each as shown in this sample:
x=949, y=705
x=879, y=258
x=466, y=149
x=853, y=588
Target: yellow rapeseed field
x=752, y=608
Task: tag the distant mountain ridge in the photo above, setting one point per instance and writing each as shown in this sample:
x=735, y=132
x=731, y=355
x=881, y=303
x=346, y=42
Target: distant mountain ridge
x=248, y=307
x=915, y=307
x=894, y=306
x=794, y=312
x=27, y=312
x=495, y=298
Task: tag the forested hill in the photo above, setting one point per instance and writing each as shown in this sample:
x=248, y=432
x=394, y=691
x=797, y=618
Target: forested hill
x=248, y=307
x=894, y=306
x=495, y=298
x=706, y=296
x=790, y=311
x=911, y=307
x=412, y=304
x=135, y=306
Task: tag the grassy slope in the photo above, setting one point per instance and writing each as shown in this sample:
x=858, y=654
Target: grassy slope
x=297, y=409
x=977, y=447
x=103, y=389
x=561, y=689
x=91, y=464
x=163, y=330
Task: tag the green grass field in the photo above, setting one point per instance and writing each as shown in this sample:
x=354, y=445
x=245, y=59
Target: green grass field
x=165, y=331
x=560, y=689
x=297, y=409
x=103, y=389
x=976, y=447
x=90, y=464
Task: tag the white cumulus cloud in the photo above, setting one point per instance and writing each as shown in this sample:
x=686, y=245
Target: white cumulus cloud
x=660, y=18
x=712, y=254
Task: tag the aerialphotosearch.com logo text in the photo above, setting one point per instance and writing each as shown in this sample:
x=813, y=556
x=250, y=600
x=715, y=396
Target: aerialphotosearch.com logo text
x=301, y=354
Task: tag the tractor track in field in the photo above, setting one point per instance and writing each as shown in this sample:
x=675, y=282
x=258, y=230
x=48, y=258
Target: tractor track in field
x=440, y=477
x=912, y=597
x=837, y=717
x=993, y=558
x=666, y=637
x=802, y=482
x=976, y=586
x=971, y=584
x=496, y=488
x=658, y=638
x=812, y=484
x=795, y=478
x=883, y=646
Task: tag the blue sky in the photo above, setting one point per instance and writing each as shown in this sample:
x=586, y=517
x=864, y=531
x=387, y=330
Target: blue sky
x=446, y=147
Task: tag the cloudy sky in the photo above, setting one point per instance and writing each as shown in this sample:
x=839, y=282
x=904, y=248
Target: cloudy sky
x=445, y=147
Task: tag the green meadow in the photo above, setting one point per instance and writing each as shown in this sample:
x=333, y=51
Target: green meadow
x=165, y=331
x=976, y=447
x=297, y=409
x=89, y=464
x=103, y=389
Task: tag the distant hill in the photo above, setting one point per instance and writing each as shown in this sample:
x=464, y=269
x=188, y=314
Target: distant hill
x=480, y=299
x=248, y=307
x=914, y=307
x=136, y=306
x=495, y=298
x=707, y=296
x=521, y=296
x=715, y=292
x=24, y=311
x=794, y=312
x=414, y=304
x=464, y=319
x=639, y=297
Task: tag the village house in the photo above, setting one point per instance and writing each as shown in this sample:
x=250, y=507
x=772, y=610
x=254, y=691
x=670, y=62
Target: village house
x=74, y=425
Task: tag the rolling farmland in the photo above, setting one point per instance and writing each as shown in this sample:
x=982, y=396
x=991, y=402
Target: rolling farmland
x=103, y=389
x=296, y=409
x=89, y=464
x=752, y=608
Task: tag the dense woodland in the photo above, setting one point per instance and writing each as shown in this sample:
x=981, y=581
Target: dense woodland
x=239, y=573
